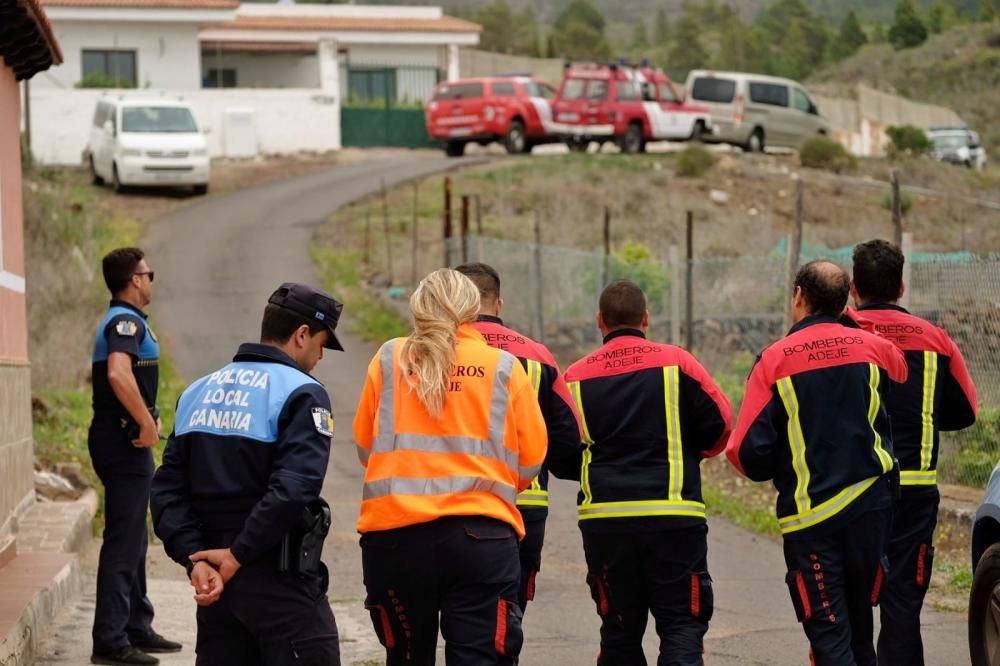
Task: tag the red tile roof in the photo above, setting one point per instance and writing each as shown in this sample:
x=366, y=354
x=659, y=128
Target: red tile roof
x=146, y=4
x=352, y=24
x=27, y=44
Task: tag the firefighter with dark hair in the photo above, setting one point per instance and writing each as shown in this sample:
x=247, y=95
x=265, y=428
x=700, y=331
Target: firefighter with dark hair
x=650, y=414
x=937, y=395
x=561, y=421
x=814, y=423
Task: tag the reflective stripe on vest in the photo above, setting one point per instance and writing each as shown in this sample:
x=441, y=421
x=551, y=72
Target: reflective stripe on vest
x=642, y=508
x=574, y=390
x=874, y=403
x=827, y=509
x=534, y=495
x=927, y=410
x=675, y=449
x=797, y=444
x=493, y=448
x=918, y=478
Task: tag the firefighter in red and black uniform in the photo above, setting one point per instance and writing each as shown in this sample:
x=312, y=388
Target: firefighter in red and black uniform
x=813, y=422
x=938, y=395
x=557, y=407
x=650, y=414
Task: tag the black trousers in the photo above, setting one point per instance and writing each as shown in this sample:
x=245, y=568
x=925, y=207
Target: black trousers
x=835, y=577
x=269, y=618
x=662, y=572
x=460, y=571
x=911, y=557
x=530, y=552
x=123, y=611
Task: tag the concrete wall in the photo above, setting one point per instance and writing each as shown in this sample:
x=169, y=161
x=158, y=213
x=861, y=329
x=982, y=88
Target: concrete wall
x=167, y=54
x=266, y=70
x=286, y=121
x=16, y=455
x=474, y=62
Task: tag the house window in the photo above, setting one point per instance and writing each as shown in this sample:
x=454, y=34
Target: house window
x=370, y=85
x=108, y=68
x=220, y=78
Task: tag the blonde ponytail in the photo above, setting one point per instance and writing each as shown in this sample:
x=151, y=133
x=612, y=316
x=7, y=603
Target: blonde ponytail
x=443, y=301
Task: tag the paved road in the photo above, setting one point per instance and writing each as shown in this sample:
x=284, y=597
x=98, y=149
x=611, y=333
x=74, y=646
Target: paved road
x=220, y=258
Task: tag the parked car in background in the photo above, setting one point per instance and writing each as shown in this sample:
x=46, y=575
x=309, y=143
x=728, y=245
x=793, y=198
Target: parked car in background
x=957, y=145
x=513, y=110
x=147, y=141
x=984, y=599
x=625, y=104
x=754, y=111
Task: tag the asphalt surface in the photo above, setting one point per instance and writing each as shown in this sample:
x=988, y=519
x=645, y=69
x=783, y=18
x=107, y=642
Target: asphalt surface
x=218, y=260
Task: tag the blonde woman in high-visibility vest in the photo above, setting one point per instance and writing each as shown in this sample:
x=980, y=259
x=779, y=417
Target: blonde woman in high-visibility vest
x=449, y=430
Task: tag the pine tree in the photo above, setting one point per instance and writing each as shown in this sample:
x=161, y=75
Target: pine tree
x=686, y=52
x=987, y=11
x=640, y=41
x=850, y=38
x=909, y=30
x=661, y=29
x=941, y=16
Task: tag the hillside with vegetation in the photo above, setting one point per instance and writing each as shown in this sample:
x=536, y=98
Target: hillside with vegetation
x=959, y=69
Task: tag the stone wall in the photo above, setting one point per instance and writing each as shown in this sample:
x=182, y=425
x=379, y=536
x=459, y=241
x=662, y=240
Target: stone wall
x=16, y=454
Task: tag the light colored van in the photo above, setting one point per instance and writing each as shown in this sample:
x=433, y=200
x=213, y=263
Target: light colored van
x=149, y=141
x=754, y=111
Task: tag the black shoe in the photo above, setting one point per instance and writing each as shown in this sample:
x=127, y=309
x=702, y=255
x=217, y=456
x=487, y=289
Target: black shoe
x=153, y=642
x=125, y=655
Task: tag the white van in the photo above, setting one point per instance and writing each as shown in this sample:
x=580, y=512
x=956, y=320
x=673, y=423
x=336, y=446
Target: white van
x=754, y=111
x=148, y=141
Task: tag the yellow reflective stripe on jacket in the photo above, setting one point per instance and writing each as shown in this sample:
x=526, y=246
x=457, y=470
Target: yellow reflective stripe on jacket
x=918, y=478
x=641, y=508
x=534, y=370
x=533, y=496
x=827, y=509
x=675, y=449
x=874, y=403
x=927, y=410
x=797, y=443
x=574, y=389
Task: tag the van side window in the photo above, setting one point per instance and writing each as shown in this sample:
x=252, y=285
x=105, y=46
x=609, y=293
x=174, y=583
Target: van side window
x=771, y=94
x=100, y=114
x=648, y=92
x=720, y=91
x=597, y=89
x=627, y=91
x=802, y=102
x=667, y=94
x=573, y=88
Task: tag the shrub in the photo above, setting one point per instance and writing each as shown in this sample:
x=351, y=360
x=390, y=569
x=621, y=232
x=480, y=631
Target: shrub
x=907, y=140
x=694, y=162
x=823, y=153
x=905, y=202
x=635, y=262
x=98, y=80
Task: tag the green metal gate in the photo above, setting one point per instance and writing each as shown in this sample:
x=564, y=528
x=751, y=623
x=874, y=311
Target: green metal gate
x=383, y=106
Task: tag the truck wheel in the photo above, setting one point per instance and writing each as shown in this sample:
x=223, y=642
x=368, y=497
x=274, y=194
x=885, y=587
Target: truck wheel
x=755, y=144
x=95, y=179
x=633, y=142
x=454, y=148
x=577, y=145
x=515, y=141
x=984, y=610
x=697, y=132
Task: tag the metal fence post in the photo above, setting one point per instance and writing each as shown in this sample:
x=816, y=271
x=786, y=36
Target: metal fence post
x=675, y=295
x=465, y=228
x=447, y=221
x=793, y=251
x=539, y=318
x=907, y=249
x=688, y=286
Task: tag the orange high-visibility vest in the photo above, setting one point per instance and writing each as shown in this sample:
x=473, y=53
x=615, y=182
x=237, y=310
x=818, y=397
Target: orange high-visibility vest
x=488, y=444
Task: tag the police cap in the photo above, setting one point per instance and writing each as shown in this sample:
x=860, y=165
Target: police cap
x=313, y=304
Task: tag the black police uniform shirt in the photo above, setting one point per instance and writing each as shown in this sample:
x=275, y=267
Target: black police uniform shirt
x=249, y=451
x=124, y=329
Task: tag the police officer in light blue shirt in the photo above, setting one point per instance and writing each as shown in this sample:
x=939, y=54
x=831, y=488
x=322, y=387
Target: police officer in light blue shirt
x=239, y=487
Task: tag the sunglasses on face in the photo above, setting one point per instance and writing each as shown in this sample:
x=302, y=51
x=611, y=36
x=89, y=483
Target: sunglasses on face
x=151, y=274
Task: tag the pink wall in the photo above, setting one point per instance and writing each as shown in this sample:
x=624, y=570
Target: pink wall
x=13, y=321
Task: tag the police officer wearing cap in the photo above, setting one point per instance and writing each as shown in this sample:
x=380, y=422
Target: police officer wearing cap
x=237, y=499
x=125, y=375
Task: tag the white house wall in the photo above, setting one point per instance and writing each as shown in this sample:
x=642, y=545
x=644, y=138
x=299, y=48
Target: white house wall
x=167, y=55
x=394, y=54
x=266, y=70
x=286, y=121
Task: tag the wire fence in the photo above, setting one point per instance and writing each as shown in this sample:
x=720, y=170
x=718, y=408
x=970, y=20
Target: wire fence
x=737, y=310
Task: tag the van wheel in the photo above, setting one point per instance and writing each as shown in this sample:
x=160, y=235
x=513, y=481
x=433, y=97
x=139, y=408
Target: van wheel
x=755, y=144
x=94, y=178
x=984, y=610
x=454, y=148
x=633, y=141
x=515, y=141
x=697, y=132
x=200, y=190
x=116, y=182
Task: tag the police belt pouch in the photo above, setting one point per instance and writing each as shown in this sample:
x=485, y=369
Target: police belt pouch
x=302, y=546
x=132, y=428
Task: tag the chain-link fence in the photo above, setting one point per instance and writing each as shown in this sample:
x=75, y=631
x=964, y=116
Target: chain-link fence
x=737, y=307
